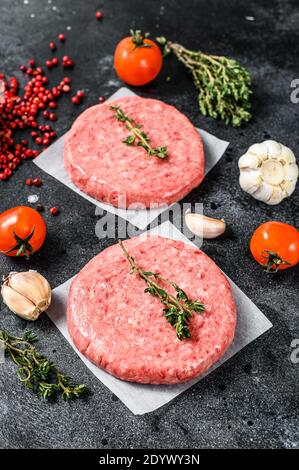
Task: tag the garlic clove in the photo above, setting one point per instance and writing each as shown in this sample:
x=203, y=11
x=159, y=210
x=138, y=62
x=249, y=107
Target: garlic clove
x=27, y=294
x=258, y=149
x=291, y=172
x=277, y=196
x=273, y=148
x=250, y=180
x=32, y=285
x=289, y=187
x=203, y=226
x=287, y=156
x=249, y=161
x=19, y=304
x=263, y=192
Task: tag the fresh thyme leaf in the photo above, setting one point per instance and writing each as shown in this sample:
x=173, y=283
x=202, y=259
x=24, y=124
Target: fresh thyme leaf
x=36, y=372
x=178, y=310
x=222, y=83
x=130, y=140
x=137, y=136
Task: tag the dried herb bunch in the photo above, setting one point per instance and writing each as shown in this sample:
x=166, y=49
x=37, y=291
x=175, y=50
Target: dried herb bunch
x=36, y=371
x=179, y=309
x=137, y=136
x=223, y=84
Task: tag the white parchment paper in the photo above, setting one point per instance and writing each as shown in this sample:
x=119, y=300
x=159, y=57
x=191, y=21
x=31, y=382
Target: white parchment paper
x=140, y=398
x=51, y=161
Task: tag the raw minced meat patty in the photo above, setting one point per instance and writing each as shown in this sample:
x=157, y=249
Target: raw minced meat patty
x=103, y=166
x=123, y=330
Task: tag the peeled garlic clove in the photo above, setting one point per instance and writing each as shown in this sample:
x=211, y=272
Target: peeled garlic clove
x=27, y=294
x=204, y=227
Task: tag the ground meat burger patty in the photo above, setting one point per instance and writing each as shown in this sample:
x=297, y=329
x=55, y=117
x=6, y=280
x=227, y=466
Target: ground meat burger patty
x=123, y=330
x=103, y=166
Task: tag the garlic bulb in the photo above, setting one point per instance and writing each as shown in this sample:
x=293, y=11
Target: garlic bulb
x=268, y=171
x=27, y=294
x=204, y=227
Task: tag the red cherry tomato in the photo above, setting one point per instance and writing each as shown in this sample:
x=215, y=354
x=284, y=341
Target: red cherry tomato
x=275, y=246
x=22, y=231
x=137, y=60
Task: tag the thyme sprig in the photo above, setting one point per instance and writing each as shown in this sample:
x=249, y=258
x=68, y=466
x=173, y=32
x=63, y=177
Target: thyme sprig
x=137, y=136
x=179, y=309
x=223, y=84
x=36, y=372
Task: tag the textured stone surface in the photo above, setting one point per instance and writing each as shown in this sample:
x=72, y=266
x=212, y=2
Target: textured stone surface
x=251, y=401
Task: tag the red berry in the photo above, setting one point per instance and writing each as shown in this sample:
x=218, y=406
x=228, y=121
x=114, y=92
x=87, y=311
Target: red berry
x=3, y=176
x=28, y=153
x=99, y=15
x=23, y=68
x=54, y=210
x=101, y=99
x=52, y=104
x=61, y=37
x=52, y=117
x=39, y=141
x=67, y=80
x=48, y=64
x=76, y=99
x=28, y=182
x=66, y=88
x=52, y=46
x=80, y=94
x=55, y=61
x=31, y=62
x=37, y=182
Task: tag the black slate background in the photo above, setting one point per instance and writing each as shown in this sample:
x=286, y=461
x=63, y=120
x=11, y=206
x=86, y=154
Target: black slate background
x=251, y=401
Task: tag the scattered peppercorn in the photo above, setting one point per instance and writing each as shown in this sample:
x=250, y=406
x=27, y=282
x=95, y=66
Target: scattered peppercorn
x=40, y=208
x=37, y=182
x=102, y=99
x=28, y=182
x=61, y=37
x=99, y=15
x=54, y=210
x=76, y=99
x=52, y=46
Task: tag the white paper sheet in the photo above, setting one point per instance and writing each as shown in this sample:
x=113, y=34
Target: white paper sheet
x=51, y=161
x=140, y=398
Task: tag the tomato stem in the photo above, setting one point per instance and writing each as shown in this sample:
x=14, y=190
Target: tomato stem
x=272, y=261
x=22, y=246
x=138, y=38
